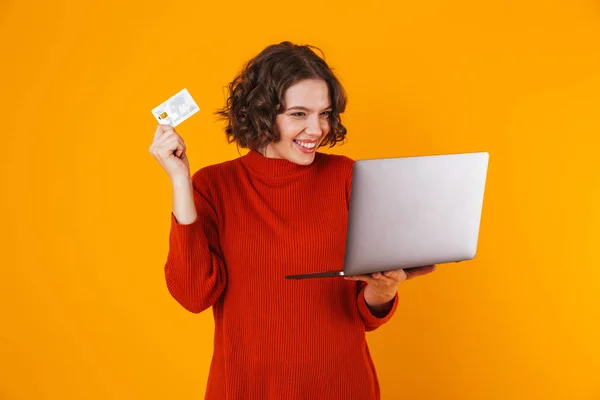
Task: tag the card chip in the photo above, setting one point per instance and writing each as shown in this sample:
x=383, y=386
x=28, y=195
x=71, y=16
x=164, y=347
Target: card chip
x=163, y=115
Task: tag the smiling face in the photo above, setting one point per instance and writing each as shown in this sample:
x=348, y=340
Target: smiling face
x=303, y=124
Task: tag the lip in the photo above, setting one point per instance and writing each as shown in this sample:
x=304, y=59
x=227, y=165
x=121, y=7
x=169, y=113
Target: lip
x=307, y=141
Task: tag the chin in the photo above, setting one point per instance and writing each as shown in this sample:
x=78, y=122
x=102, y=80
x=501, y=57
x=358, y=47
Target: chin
x=306, y=161
x=303, y=159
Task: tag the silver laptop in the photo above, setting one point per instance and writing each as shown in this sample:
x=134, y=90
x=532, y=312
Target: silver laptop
x=412, y=211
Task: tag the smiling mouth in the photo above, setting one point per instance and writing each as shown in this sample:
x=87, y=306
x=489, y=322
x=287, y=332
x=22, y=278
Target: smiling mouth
x=306, y=145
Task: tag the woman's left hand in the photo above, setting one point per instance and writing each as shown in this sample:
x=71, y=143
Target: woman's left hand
x=382, y=287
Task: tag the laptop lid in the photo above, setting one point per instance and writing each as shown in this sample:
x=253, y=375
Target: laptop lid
x=414, y=211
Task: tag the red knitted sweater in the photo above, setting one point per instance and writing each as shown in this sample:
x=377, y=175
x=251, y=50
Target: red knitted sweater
x=260, y=219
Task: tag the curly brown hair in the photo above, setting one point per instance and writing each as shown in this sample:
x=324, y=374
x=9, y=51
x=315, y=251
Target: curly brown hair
x=256, y=95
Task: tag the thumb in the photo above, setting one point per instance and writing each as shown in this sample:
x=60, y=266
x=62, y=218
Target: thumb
x=184, y=158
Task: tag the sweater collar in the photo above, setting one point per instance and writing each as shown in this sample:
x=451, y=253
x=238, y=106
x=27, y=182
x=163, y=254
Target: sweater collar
x=275, y=167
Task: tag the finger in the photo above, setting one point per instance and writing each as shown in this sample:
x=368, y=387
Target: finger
x=378, y=279
x=166, y=135
x=377, y=276
x=427, y=269
x=171, y=146
x=397, y=275
x=163, y=136
x=364, y=278
x=414, y=272
x=162, y=128
x=184, y=157
x=181, y=149
x=382, y=280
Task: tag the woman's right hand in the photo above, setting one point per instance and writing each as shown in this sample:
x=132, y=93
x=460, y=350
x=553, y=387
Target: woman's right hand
x=168, y=148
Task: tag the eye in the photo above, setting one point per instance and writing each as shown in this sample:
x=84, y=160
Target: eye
x=326, y=113
x=298, y=114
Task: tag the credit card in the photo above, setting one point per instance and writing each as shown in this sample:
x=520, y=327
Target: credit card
x=177, y=109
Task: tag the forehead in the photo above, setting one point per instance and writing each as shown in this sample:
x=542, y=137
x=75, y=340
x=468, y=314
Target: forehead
x=310, y=93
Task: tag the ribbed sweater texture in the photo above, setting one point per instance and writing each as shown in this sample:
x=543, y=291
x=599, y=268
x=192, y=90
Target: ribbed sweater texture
x=260, y=219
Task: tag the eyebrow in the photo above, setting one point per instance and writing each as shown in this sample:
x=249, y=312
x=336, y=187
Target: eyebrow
x=304, y=108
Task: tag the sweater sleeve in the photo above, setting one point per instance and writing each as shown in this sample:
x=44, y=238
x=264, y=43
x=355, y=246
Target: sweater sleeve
x=195, y=270
x=371, y=321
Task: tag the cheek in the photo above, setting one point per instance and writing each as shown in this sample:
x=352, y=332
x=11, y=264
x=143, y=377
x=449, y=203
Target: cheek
x=288, y=131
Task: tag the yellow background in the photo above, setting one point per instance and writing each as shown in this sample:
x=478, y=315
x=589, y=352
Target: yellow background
x=84, y=310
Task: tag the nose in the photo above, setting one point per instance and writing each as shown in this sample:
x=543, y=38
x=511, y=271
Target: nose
x=314, y=126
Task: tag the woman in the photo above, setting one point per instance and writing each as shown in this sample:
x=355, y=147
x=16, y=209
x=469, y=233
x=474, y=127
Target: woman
x=238, y=227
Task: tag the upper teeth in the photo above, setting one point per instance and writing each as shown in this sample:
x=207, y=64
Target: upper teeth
x=307, y=145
